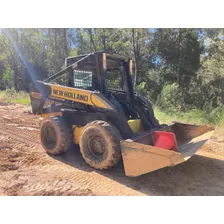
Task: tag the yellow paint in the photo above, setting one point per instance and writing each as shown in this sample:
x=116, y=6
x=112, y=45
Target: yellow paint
x=76, y=133
x=78, y=95
x=130, y=67
x=51, y=114
x=135, y=125
x=104, y=62
x=99, y=102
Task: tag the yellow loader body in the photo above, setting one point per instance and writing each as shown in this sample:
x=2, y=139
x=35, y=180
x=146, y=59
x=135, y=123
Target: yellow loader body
x=97, y=107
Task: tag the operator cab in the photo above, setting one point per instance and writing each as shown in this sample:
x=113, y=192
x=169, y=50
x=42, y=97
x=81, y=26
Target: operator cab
x=110, y=75
x=101, y=72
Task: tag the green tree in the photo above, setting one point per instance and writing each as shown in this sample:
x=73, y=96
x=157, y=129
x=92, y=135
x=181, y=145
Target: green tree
x=180, y=51
x=211, y=73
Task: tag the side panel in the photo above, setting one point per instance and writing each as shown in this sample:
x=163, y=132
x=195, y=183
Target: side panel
x=84, y=97
x=80, y=96
x=76, y=133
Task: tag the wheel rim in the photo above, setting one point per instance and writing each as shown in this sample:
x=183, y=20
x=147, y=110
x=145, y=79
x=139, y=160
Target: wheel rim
x=96, y=148
x=49, y=137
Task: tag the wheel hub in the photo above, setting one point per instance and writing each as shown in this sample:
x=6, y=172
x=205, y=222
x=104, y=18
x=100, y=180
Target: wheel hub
x=97, y=146
x=50, y=136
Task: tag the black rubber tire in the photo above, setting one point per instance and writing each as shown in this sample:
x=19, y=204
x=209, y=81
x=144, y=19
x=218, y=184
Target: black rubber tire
x=62, y=133
x=100, y=136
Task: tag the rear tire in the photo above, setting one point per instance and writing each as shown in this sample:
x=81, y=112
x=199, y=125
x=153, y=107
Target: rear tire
x=100, y=145
x=56, y=135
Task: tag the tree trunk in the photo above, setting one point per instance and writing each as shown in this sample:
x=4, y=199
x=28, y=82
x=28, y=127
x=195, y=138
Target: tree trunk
x=135, y=51
x=65, y=42
x=92, y=41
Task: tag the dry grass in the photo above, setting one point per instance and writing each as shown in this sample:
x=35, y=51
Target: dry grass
x=11, y=96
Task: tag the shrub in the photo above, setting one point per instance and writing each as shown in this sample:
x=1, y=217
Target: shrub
x=170, y=99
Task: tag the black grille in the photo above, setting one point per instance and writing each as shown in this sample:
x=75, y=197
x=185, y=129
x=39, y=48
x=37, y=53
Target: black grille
x=83, y=79
x=114, y=80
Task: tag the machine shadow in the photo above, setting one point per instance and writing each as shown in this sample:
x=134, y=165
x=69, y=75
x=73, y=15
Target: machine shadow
x=198, y=176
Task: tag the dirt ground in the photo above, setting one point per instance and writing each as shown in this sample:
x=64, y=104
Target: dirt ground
x=25, y=168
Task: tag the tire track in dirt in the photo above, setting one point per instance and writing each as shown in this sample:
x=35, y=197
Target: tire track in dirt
x=20, y=138
x=94, y=182
x=60, y=179
x=101, y=185
x=69, y=175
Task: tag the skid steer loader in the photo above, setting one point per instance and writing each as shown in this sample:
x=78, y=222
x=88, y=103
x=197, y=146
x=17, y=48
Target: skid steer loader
x=97, y=108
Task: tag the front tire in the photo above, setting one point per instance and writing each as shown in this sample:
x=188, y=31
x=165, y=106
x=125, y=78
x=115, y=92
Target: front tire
x=55, y=135
x=100, y=145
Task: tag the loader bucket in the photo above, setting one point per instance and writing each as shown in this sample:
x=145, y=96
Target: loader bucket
x=140, y=156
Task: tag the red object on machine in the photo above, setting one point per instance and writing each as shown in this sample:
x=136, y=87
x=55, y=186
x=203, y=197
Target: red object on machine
x=165, y=140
